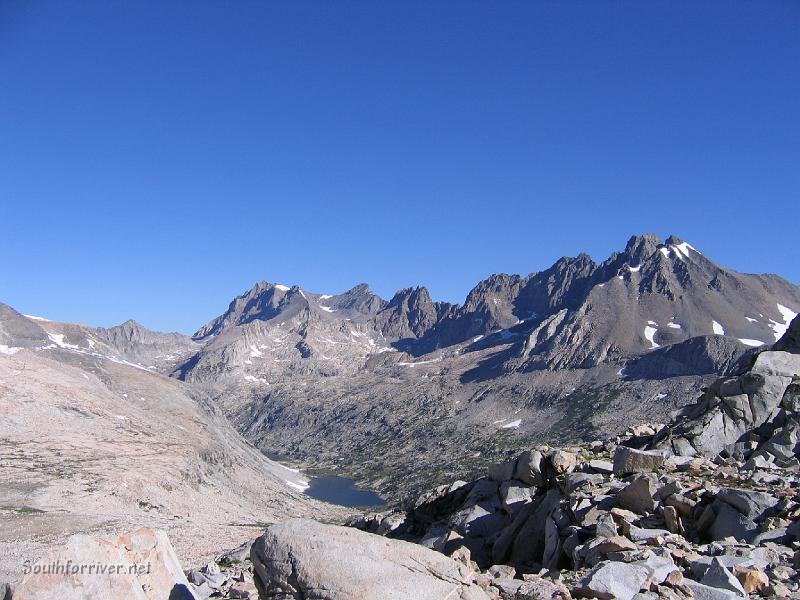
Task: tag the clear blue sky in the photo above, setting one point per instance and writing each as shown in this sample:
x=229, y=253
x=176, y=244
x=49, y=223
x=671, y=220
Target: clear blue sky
x=158, y=158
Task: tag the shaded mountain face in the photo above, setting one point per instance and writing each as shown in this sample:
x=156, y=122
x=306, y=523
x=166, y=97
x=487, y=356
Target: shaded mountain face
x=574, y=351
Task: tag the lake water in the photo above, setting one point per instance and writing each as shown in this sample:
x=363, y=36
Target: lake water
x=344, y=492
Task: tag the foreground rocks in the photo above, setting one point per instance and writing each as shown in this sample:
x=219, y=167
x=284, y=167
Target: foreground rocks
x=141, y=565
x=706, y=507
x=305, y=559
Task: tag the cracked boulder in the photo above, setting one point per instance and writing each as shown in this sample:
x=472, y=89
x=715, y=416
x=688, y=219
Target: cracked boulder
x=301, y=558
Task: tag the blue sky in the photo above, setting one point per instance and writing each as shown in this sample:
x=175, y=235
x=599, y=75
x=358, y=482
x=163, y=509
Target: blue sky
x=158, y=158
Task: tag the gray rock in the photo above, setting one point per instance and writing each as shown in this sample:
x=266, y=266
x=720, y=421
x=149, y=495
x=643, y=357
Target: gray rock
x=609, y=580
x=639, y=495
x=700, y=565
x=672, y=521
x=508, y=587
x=659, y=567
x=502, y=471
x=606, y=526
x=750, y=503
x=479, y=520
x=629, y=460
x=529, y=468
x=729, y=522
x=707, y=592
x=539, y=588
x=528, y=545
x=604, y=467
x=641, y=534
x=294, y=558
x=719, y=577
x=515, y=495
x=575, y=481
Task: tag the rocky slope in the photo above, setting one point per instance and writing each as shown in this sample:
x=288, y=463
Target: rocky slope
x=92, y=441
x=609, y=520
x=357, y=384
x=638, y=516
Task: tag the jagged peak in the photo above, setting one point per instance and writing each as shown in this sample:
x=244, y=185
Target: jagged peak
x=361, y=288
x=419, y=293
x=641, y=247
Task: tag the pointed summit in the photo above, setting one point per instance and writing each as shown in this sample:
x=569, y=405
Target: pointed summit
x=641, y=247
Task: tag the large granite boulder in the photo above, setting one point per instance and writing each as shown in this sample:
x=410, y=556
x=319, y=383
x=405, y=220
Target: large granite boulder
x=300, y=558
x=141, y=565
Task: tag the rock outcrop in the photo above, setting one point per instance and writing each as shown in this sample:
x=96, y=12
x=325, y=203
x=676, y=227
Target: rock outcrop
x=140, y=565
x=305, y=559
x=752, y=416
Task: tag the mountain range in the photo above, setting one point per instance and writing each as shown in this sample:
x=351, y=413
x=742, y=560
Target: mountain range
x=355, y=384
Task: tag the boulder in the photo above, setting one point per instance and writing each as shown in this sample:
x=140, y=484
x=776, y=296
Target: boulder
x=606, y=526
x=720, y=577
x=576, y=481
x=604, y=467
x=729, y=522
x=502, y=471
x=562, y=461
x=539, y=588
x=299, y=558
x=639, y=495
x=140, y=565
x=529, y=468
x=750, y=503
x=753, y=580
x=478, y=520
x=515, y=495
x=707, y=592
x=609, y=580
x=659, y=567
x=629, y=460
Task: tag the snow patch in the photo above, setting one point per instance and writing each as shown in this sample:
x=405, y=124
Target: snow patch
x=255, y=379
x=635, y=269
x=255, y=352
x=325, y=296
x=35, y=318
x=8, y=349
x=300, y=487
x=718, y=328
x=754, y=343
x=422, y=362
x=512, y=425
x=682, y=250
x=281, y=287
x=751, y=319
x=649, y=334
x=327, y=308
x=780, y=328
x=664, y=251
x=58, y=340
x=674, y=325
x=477, y=339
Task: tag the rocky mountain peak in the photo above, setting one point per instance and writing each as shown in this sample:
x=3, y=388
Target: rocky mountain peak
x=641, y=247
x=409, y=314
